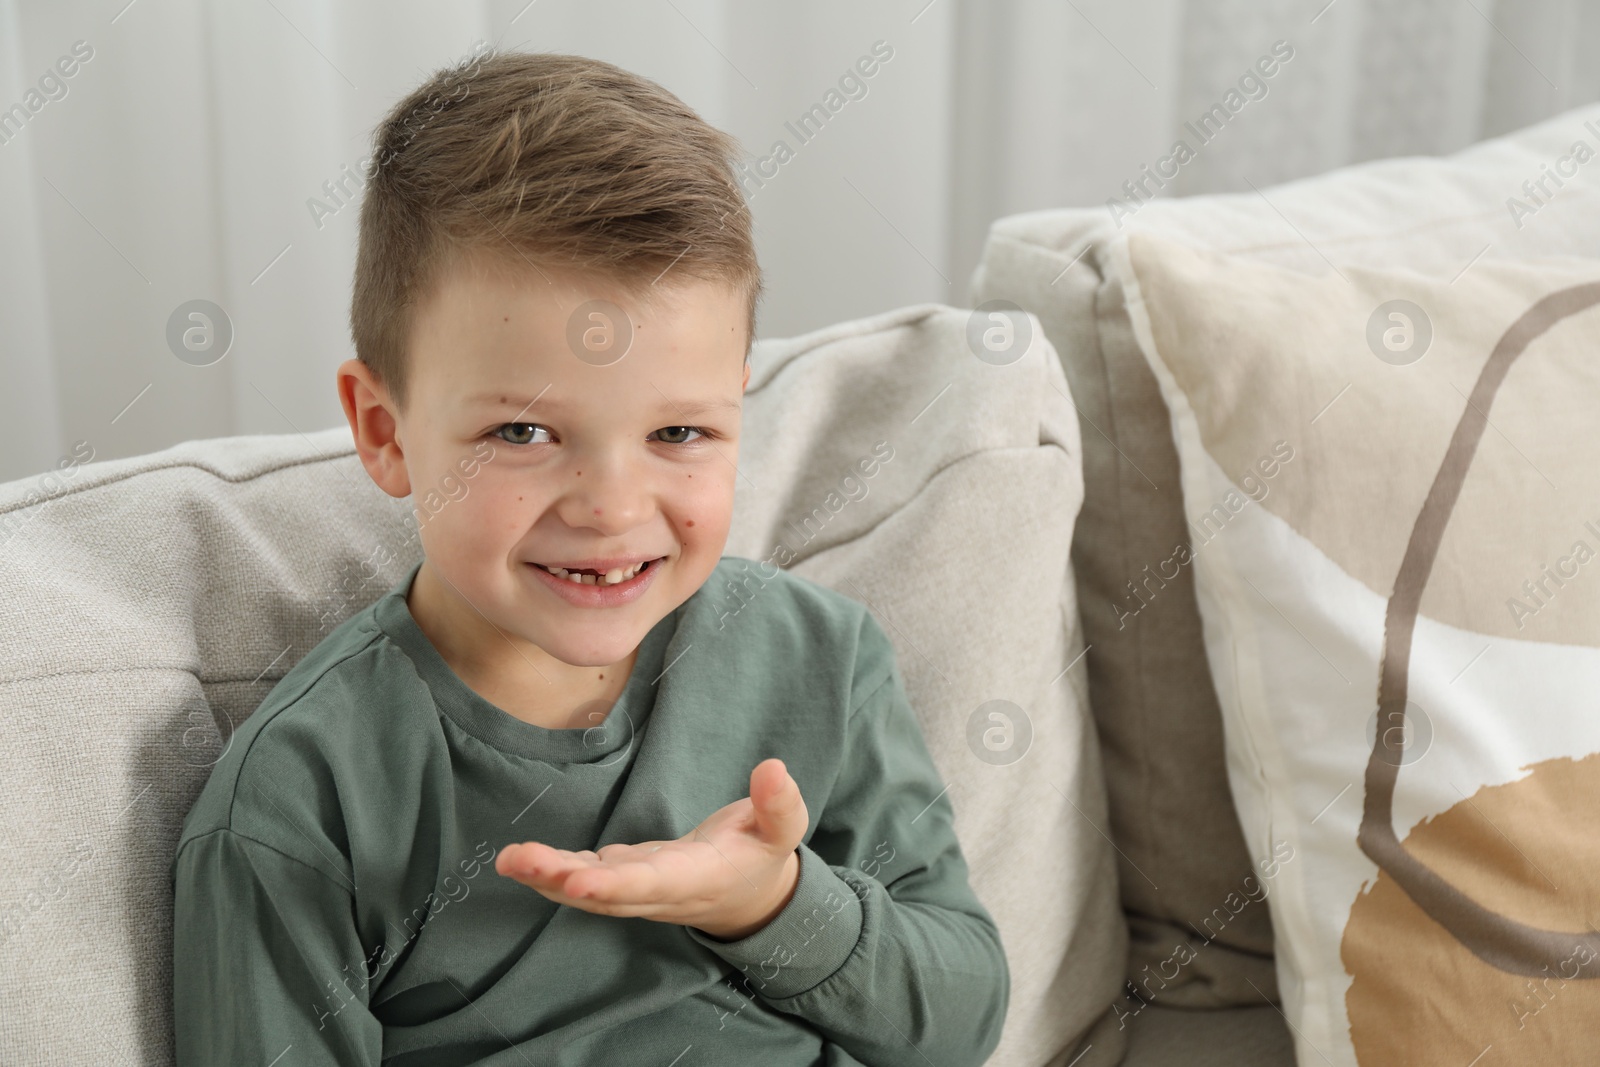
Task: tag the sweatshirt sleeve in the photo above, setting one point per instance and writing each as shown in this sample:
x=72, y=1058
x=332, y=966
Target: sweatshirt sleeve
x=266, y=959
x=884, y=947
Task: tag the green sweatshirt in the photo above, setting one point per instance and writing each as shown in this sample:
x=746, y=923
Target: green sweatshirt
x=336, y=900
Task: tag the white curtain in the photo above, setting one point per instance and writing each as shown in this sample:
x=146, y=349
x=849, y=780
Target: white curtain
x=176, y=162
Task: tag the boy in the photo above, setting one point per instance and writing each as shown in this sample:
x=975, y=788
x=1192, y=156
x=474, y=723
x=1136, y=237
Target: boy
x=550, y=800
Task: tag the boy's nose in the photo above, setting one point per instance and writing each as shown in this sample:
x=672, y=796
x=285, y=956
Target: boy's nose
x=610, y=496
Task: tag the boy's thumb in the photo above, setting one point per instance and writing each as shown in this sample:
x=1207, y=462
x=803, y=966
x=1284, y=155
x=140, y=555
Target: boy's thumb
x=780, y=810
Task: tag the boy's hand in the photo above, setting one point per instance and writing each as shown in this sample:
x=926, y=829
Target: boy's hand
x=728, y=877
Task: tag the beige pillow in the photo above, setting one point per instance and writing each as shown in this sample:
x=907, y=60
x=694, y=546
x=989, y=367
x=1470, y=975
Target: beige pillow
x=1395, y=494
x=1198, y=937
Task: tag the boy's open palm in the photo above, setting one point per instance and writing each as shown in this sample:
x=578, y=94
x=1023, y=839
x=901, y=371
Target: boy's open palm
x=728, y=877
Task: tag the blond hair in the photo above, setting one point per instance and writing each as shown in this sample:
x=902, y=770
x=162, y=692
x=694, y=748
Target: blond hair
x=557, y=161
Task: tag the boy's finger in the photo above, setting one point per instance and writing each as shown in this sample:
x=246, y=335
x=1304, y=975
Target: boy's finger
x=618, y=882
x=780, y=810
x=533, y=859
x=512, y=859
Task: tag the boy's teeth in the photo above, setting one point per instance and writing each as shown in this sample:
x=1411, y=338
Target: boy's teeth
x=614, y=576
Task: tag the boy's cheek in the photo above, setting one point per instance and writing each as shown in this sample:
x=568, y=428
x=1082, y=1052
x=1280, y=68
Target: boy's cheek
x=436, y=510
x=476, y=527
x=704, y=516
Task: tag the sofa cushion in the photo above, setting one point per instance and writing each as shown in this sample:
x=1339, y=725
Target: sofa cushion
x=1392, y=488
x=1182, y=861
x=162, y=597
x=1220, y=1037
x=959, y=546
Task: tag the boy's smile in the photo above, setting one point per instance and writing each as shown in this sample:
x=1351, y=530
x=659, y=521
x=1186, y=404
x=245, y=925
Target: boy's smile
x=602, y=488
x=600, y=583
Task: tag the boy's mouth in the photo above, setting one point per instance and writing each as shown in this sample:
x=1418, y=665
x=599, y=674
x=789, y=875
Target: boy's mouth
x=600, y=572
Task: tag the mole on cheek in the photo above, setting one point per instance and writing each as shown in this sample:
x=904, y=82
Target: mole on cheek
x=689, y=522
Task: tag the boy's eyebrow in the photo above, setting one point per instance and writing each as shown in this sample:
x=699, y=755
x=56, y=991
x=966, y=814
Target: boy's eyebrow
x=685, y=408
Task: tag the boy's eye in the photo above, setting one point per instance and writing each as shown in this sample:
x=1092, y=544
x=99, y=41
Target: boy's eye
x=526, y=427
x=523, y=433
x=672, y=435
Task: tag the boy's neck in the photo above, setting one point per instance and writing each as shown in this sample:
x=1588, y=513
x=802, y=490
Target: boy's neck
x=522, y=679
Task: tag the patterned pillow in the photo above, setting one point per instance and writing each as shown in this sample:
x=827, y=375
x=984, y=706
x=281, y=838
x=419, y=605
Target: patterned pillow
x=1394, y=498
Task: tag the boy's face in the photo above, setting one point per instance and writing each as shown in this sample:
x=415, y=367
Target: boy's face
x=520, y=448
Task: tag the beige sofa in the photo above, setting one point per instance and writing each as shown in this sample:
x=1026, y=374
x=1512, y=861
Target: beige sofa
x=152, y=602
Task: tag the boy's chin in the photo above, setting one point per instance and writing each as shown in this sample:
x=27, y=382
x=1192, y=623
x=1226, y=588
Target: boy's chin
x=615, y=644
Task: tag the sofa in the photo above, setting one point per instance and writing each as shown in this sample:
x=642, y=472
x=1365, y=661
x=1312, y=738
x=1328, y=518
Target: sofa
x=1095, y=773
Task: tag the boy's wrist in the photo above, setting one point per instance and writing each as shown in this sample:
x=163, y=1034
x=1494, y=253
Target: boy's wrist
x=814, y=934
x=783, y=892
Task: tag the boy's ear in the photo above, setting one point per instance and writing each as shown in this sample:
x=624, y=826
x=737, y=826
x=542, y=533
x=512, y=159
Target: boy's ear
x=746, y=383
x=370, y=412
